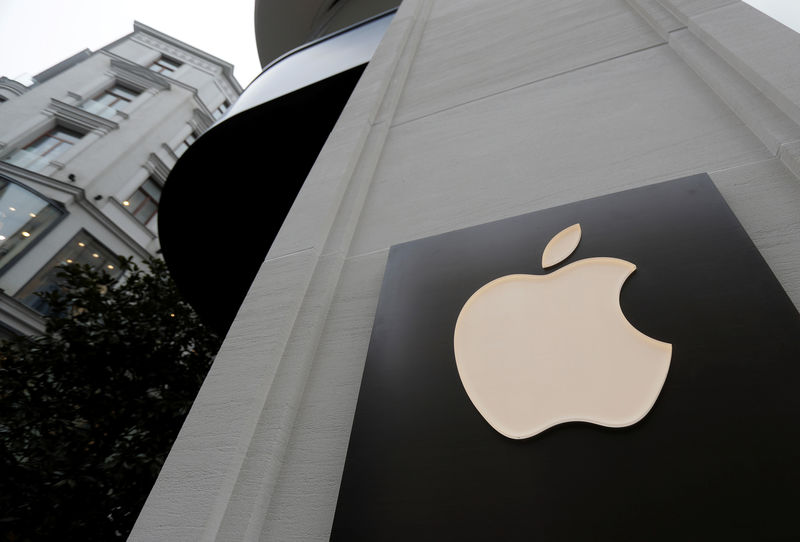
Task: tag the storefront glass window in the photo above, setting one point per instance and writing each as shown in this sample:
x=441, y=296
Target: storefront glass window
x=24, y=217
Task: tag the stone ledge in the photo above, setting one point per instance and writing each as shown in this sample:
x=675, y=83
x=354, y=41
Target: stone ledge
x=757, y=112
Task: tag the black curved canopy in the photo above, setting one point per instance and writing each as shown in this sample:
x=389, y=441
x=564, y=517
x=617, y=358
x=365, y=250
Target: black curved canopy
x=226, y=198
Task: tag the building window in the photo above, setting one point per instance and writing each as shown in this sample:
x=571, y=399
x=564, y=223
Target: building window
x=218, y=112
x=24, y=217
x=37, y=155
x=109, y=102
x=81, y=249
x=183, y=145
x=143, y=204
x=165, y=65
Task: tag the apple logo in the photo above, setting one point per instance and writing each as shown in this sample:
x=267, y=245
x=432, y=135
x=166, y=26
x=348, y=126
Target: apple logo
x=534, y=351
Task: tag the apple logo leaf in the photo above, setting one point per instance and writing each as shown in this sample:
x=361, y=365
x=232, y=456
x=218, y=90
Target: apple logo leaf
x=534, y=351
x=561, y=246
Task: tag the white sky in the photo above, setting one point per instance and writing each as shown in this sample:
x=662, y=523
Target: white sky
x=35, y=34
x=786, y=11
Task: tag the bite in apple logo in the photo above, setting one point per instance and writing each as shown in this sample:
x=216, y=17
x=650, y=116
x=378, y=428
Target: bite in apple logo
x=534, y=351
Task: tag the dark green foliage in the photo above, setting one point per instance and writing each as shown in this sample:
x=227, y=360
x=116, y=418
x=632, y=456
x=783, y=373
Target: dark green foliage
x=88, y=413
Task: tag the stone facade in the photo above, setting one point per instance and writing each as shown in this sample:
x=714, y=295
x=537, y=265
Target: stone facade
x=87, y=147
x=469, y=112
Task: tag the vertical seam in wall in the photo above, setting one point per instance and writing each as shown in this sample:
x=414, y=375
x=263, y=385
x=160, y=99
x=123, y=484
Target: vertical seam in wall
x=356, y=192
x=364, y=173
x=397, y=83
x=790, y=158
x=232, y=476
x=386, y=112
x=258, y=509
x=358, y=186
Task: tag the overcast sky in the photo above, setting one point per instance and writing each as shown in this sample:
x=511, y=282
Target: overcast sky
x=786, y=11
x=35, y=34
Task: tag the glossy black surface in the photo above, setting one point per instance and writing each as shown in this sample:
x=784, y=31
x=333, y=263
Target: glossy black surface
x=315, y=61
x=718, y=456
x=226, y=198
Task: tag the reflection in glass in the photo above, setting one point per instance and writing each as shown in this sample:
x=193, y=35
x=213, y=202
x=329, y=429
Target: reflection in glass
x=143, y=204
x=81, y=249
x=37, y=155
x=109, y=102
x=24, y=216
x=165, y=65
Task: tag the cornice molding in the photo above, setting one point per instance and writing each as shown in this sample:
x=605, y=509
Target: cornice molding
x=136, y=76
x=186, y=53
x=201, y=120
x=178, y=53
x=126, y=71
x=26, y=176
x=13, y=86
x=162, y=82
x=79, y=198
x=157, y=168
x=227, y=90
x=80, y=118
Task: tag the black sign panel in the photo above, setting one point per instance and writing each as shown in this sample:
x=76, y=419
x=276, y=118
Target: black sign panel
x=717, y=457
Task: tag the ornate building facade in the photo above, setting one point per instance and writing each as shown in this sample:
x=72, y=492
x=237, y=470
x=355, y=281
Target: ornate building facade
x=84, y=153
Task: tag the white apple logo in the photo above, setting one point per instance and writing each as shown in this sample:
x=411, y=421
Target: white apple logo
x=534, y=351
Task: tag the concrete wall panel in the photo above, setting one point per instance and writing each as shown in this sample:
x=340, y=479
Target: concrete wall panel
x=476, y=48
x=686, y=9
x=759, y=48
x=641, y=118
